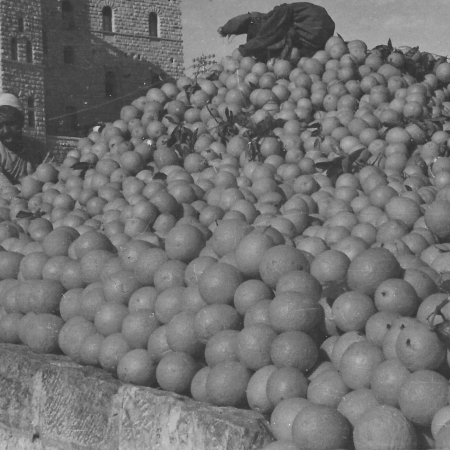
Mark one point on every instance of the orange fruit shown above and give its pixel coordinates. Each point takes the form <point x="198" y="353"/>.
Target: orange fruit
<point x="439" y="420"/>
<point x="214" y="318"/>
<point x="390" y="337"/>
<point x="284" y="383"/>
<point x="419" y="348"/>
<point x="437" y="218"/>
<point x="147" y="264"/>
<point x="168" y="304"/>
<point x="9" y="264"/>
<point x="384" y="427"/>
<point x="137" y="367"/>
<point x="92" y="240"/>
<point x="170" y="274"/>
<point x="112" y="349"/>
<point x="9" y="327"/>
<point x="92" y="264"/>
<point x="137" y="327"/>
<point x="181" y="336"/>
<point x="222" y="346"/>
<point x="175" y="372"/>
<point x="279" y="260"/>
<point x="119" y="287"/>
<point x="283" y="416"/>
<point x="396" y="295"/>
<point x="250" y="292"/>
<point x="109" y="318"/>
<point x="342" y="344"/>
<point x="58" y="241"/>
<point x="71" y="336"/>
<point x="299" y="281"/>
<point x="256" y="390"/>
<point x="70" y="304"/>
<point x="42" y="336"/>
<point x="25" y="323"/>
<point x="351" y="311"/>
<point x="198" y="385"/>
<point x="218" y="283"/>
<point x="228" y="234"/>
<point x="70" y="276"/>
<point x="290" y="311"/>
<point x="317" y="427"/>
<point x="90" y="349"/>
<point x="258" y="313"/>
<point x="371" y="267"/>
<point x="184" y="242"/>
<point x="45" y="296"/>
<point x="327" y="388"/>
<point x="378" y="324"/>
<point x="253" y="346"/>
<point x="191" y="300"/>
<point x="294" y="349"/>
<point x="249" y="252"/>
<point x="227" y="383"/>
<point x="355" y="403"/>
<point x="32" y="264"/>
<point x="358" y="362"/>
<point x="330" y="266"/>
<point x="91" y="302"/>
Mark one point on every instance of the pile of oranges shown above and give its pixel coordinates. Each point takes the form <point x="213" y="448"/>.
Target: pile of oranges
<point x="264" y="236"/>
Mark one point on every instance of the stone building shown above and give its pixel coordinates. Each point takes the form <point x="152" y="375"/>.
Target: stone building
<point x="74" y="63"/>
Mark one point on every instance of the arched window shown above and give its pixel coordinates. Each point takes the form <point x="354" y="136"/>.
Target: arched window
<point x="107" y="19"/>
<point x="68" y="21"/>
<point x="110" y="84"/>
<point x="14" y="53"/>
<point x="153" y="24"/>
<point x="31" y="120"/>
<point x="29" y="51"/>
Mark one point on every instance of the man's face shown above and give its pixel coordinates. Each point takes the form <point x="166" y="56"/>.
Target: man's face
<point x="10" y="132"/>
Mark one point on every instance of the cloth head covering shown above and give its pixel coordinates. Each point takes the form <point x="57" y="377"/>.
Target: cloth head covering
<point x="10" y="100"/>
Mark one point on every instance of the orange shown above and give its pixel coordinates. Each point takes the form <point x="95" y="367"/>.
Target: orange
<point x="256" y="390"/>
<point x="299" y="281"/>
<point x="443" y="436"/>
<point x="181" y="336"/>
<point x="119" y="287"/>
<point x="384" y="427"/>
<point x="130" y="252"/>
<point x="355" y="403"/>
<point x="317" y="427"/>
<point x="70" y="276"/>
<point x="147" y="264"/>
<point x="168" y="304"/>
<point x="71" y="336"/>
<point x="253" y="346"/>
<point x="92" y="240"/>
<point x="281" y="259"/>
<point x="419" y="348"/>
<point x="39" y="228"/>
<point x="218" y="283"/>
<point x="191" y="300"/>
<point x="58" y="241"/>
<point x="249" y="252"/>
<point x="439" y="420"/>
<point x="32" y="264"/>
<point x="9" y="264"/>
<point x="112" y="349"/>
<point x="437" y="218"/>
<point x="290" y="311"/>
<point x="368" y="269"/>
<point x="92" y="264"/>
<point x="45" y="296"/>
<point x="326" y="388"/>
<point x="250" y="292"/>
<point x="91" y="301"/>
<point x="228" y="234"/>
<point x="211" y="319"/>
<point x="403" y="209"/>
<point x="227" y="383"/>
<point x="351" y="311"/>
<point x="137" y="326"/>
<point x="386" y="381"/>
<point x="170" y="274"/>
<point x="184" y="242"/>
<point x="175" y="372"/>
<point x="283" y="416"/>
<point x="284" y="383"/>
<point x="9" y="327"/>
<point x="342" y="344"/>
<point x="70" y="304"/>
<point x="143" y="298"/>
<point x="390" y="337"/>
<point x="108" y="319"/>
<point x="294" y="349"/>
<point x="330" y="266"/>
<point x="198" y="385"/>
<point x="358" y="362"/>
<point x="24" y="324"/>
<point x="396" y="295"/>
<point x="378" y="324"/>
<point x="137" y="367"/>
<point x="42" y="336"/>
<point x="222" y="346"/>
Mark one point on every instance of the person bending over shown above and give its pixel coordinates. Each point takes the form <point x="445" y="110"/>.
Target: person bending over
<point x="289" y="31"/>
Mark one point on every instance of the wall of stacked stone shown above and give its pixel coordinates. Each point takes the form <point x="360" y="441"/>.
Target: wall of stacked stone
<point x="137" y="60"/>
<point x="21" y="20"/>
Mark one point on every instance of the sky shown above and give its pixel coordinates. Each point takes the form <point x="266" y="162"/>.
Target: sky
<point x="422" y="23"/>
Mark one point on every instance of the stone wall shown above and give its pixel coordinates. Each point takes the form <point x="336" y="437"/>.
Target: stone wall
<point x="21" y="20"/>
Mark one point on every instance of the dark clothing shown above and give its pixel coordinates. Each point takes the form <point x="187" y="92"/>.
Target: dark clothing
<point x="302" y="25"/>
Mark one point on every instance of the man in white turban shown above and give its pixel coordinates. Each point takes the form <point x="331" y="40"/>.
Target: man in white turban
<point x="19" y="155"/>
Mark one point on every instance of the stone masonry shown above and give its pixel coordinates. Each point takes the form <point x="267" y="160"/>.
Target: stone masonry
<point x="75" y="63"/>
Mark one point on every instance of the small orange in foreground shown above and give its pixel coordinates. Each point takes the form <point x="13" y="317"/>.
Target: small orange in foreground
<point x="42" y="336"/>
<point x="137" y="367"/>
<point x="175" y="372"/>
<point x="112" y="349"/>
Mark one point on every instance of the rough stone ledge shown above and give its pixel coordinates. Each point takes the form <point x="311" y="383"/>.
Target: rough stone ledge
<point x="48" y="402"/>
